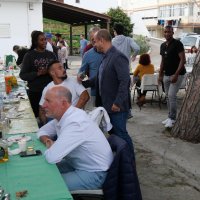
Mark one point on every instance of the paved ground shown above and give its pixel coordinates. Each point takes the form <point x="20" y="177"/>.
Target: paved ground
<point x="168" y="168"/>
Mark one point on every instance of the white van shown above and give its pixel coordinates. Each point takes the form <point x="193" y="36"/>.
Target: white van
<point x="189" y="41"/>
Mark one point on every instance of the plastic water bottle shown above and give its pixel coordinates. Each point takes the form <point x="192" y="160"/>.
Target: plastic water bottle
<point x="1" y="104"/>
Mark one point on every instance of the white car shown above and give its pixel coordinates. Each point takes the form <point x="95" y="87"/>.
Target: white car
<point x="189" y="41"/>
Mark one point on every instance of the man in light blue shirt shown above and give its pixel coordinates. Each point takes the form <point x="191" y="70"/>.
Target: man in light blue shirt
<point x="83" y="44"/>
<point x="78" y="151"/>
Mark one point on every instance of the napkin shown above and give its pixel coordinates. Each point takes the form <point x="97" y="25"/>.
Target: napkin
<point x="13" y="152"/>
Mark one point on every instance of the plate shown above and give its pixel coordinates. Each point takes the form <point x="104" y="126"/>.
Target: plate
<point x="16" y="138"/>
<point x="14" y="100"/>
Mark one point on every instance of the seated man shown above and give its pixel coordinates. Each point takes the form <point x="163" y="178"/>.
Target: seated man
<point x="81" y="151"/>
<point x="80" y="95"/>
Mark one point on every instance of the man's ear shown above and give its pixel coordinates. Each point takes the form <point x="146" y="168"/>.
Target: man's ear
<point x="51" y="73"/>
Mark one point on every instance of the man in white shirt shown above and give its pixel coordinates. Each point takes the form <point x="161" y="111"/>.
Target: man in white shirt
<point x="80" y="95"/>
<point x="49" y="42"/>
<point x="81" y="151"/>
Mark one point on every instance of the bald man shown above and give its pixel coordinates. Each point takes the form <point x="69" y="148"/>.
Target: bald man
<point x="78" y="151"/>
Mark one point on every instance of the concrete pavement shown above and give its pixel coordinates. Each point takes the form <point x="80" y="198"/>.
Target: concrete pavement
<point x="147" y="132"/>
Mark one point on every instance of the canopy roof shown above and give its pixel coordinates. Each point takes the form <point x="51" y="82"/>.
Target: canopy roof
<point x="72" y="15"/>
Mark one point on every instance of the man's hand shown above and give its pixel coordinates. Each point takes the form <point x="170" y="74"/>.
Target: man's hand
<point x="49" y="143"/>
<point x="174" y="78"/>
<point x="133" y="58"/>
<point x="79" y="78"/>
<point x="115" y="108"/>
<point x="160" y="79"/>
<point x="42" y="71"/>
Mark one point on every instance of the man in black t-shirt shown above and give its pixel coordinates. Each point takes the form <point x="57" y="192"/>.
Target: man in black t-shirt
<point x="172" y="72"/>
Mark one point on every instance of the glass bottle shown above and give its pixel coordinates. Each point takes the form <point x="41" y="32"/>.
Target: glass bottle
<point x="8" y="82"/>
<point x="3" y="150"/>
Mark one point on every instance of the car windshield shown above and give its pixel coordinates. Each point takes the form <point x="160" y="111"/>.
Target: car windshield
<point x="189" y="41"/>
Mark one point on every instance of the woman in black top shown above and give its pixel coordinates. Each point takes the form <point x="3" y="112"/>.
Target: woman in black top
<point x="34" y="69"/>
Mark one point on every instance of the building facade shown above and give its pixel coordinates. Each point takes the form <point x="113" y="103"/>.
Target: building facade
<point x="183" y="15"/>
<point x="18" y="18"/>
<point x="101" y="6"/>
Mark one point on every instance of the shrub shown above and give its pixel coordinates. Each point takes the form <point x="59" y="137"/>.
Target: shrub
<point x="142" y="41"/>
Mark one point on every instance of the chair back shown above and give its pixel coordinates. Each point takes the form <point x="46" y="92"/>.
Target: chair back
<point x="150" y="83"/>
<point x="9" y="59"/>
<point x="122" y="181"/>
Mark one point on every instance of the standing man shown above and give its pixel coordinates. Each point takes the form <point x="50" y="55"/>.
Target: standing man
<point x="83" y="44"/>
<point x="49" y="46"/>
<point x="125" y="45"/>
<point x="112" y="84"/>
<point x="173" y="70"/>
<point x="90" y="63"/>
<point x="20" y="51"/>
<point x="81" y="151"/>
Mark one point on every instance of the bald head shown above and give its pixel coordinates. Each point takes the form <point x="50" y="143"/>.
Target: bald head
<point x="57" y="101"/>
<point x="103" y="34"/>
<point x="102" y="40"/>
<point x="61" y="92"/>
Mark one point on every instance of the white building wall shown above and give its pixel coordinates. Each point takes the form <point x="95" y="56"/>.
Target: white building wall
<point x="22" y="20"/>
<point x="100" y="6"/>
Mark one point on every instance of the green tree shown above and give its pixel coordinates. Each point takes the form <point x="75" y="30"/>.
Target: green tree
<point x="118" y="16"/>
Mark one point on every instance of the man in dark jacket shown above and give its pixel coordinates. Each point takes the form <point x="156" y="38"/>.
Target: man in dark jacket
<point x="112" y="83"/>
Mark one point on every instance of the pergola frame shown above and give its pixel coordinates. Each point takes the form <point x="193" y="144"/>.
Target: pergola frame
<point x="73" y="16"/>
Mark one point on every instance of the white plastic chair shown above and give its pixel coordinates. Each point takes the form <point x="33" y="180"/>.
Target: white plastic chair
<point x="150" y="83"/>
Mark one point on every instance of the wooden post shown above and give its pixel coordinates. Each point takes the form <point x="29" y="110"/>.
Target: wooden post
<point x="86" y="35"/>
<point x="71" y="47"/>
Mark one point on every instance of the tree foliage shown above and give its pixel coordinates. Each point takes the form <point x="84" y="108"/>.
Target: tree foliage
<point x="142" y="41"/>
<point x="118" y="16"/>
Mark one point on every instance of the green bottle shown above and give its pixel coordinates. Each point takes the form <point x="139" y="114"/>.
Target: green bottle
<point x="3" y="150"/>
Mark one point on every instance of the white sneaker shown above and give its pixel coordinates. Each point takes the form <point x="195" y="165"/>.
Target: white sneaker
<point x="165" y="121"/>
<point x="170" y="123"/>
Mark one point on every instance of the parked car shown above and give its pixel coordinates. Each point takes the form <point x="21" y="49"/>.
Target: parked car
<point x="189" y="41"/>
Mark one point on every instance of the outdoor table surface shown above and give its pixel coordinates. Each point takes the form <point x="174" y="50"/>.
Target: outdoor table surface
<point x="41" y="180"/>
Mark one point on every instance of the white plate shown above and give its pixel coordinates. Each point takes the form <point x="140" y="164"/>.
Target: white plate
<point x="15" y="100"/>
<point x="16" y="138"/>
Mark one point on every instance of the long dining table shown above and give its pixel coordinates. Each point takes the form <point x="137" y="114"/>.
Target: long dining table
<point x="32" y="177"/>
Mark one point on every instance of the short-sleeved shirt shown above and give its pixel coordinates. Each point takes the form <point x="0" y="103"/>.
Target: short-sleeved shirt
<point x="170" y="57"/>
<point x="143" y="69"/>
<point x="72" y="84"/>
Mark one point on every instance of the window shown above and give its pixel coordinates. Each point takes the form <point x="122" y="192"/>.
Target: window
<point x="4" y="30"/>
<point x="77" y="1"/>
<point x="191" y="9"/>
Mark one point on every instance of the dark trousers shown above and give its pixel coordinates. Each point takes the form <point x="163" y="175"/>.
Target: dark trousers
<point x="118" y="120"/>
<point x="138" y="84"/>
<point x="34" y="98"/>
<point x="66" y="64"/>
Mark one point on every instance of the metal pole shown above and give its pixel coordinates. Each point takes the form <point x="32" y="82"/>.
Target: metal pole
<point x="71" y="47"/>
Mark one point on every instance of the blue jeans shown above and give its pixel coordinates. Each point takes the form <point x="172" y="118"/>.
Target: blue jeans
<point x="80" y="179"/>
<point x="118" y="120"/>
<point x="171" y="90"/>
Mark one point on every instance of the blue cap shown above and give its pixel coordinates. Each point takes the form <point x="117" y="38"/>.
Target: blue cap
<point x="48" y="35"/>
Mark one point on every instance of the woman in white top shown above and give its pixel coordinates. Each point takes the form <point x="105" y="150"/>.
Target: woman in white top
<point x="190" y="58"/>
<point x="63" y="54"/>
